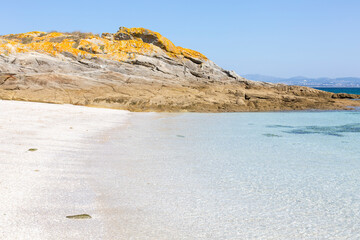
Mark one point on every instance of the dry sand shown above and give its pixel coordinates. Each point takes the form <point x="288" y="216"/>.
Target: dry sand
<point x="43" y="169"/>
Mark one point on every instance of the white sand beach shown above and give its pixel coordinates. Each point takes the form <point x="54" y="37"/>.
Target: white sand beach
<point x="177" y="176"/>
<point x="40" y="187"/>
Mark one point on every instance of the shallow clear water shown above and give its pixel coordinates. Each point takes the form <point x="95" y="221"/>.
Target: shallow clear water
<point x="288" y="175"/>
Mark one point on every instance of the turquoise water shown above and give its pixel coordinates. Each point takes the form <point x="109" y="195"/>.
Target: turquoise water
<point x="342" y="90"/>
<point x="288" y="175"/>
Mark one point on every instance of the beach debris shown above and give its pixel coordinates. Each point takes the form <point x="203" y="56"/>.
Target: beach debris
<point x="36" y="170"/>
<point x="32" y="149"/>
<point x="181" y="136"/>
<point x="80" y="216"/>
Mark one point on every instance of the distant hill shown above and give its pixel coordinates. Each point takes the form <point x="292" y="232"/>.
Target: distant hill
<point x="306" y="81"/>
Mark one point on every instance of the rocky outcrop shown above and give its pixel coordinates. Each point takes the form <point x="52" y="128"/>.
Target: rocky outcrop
<point x="139" y="70"/>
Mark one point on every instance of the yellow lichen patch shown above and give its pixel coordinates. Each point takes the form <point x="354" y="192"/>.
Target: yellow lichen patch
<point x="191" y="53"/>
<point x="69" y="46"/>
<point x="43" y="47"/>
<point x="23" y="37"/>
<point x="53" y="35"/>
<point x="126" y="49"/>
<point x="120" y="56"/>
<point x="48" y="36"/>
<point x="145" y="35"/>
<point x="90" y="47"/>
<point x="136" y="46"/>
<point x="55" y="48"/>
<point x="31" y="34"/>
<point x="12" y="47"/>
<point x="121" y="46"/>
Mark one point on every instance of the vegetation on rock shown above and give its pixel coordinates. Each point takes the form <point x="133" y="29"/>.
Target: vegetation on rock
<point x="119" y="46"/>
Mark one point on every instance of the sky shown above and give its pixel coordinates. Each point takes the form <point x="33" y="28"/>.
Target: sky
<point x="284" y="38"/>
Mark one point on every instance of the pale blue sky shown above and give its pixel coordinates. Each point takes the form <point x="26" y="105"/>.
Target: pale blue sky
<point x="280" y="38"/>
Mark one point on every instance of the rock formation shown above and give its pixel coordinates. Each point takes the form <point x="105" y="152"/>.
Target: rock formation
<point x="138" y="70"/>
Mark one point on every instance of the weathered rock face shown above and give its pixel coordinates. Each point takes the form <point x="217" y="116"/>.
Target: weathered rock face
<point x="139" y="70"/>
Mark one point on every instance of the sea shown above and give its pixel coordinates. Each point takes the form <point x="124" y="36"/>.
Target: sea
<point x="341" y="90"/>
<point x="273" y="175"/>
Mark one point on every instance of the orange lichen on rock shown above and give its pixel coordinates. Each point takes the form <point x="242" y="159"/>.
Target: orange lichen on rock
<point x="25" y="35"/>
<point x="191" y="53"/>
<point x="154" y="38"/>
<point x="147" y="36"/>
<point x="121" y="46"/>
<point x="11" y="47"/>
<point x="54" y="49"/>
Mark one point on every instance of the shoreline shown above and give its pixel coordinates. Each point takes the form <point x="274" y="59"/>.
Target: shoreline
<point x="135" y="175"/>
<point x="341" y="105"/>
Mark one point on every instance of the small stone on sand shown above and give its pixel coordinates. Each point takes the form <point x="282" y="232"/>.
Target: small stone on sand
<point x="81" y="216"/>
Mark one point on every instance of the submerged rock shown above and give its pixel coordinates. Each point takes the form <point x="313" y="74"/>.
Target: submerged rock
<point x="271" y="135"/>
